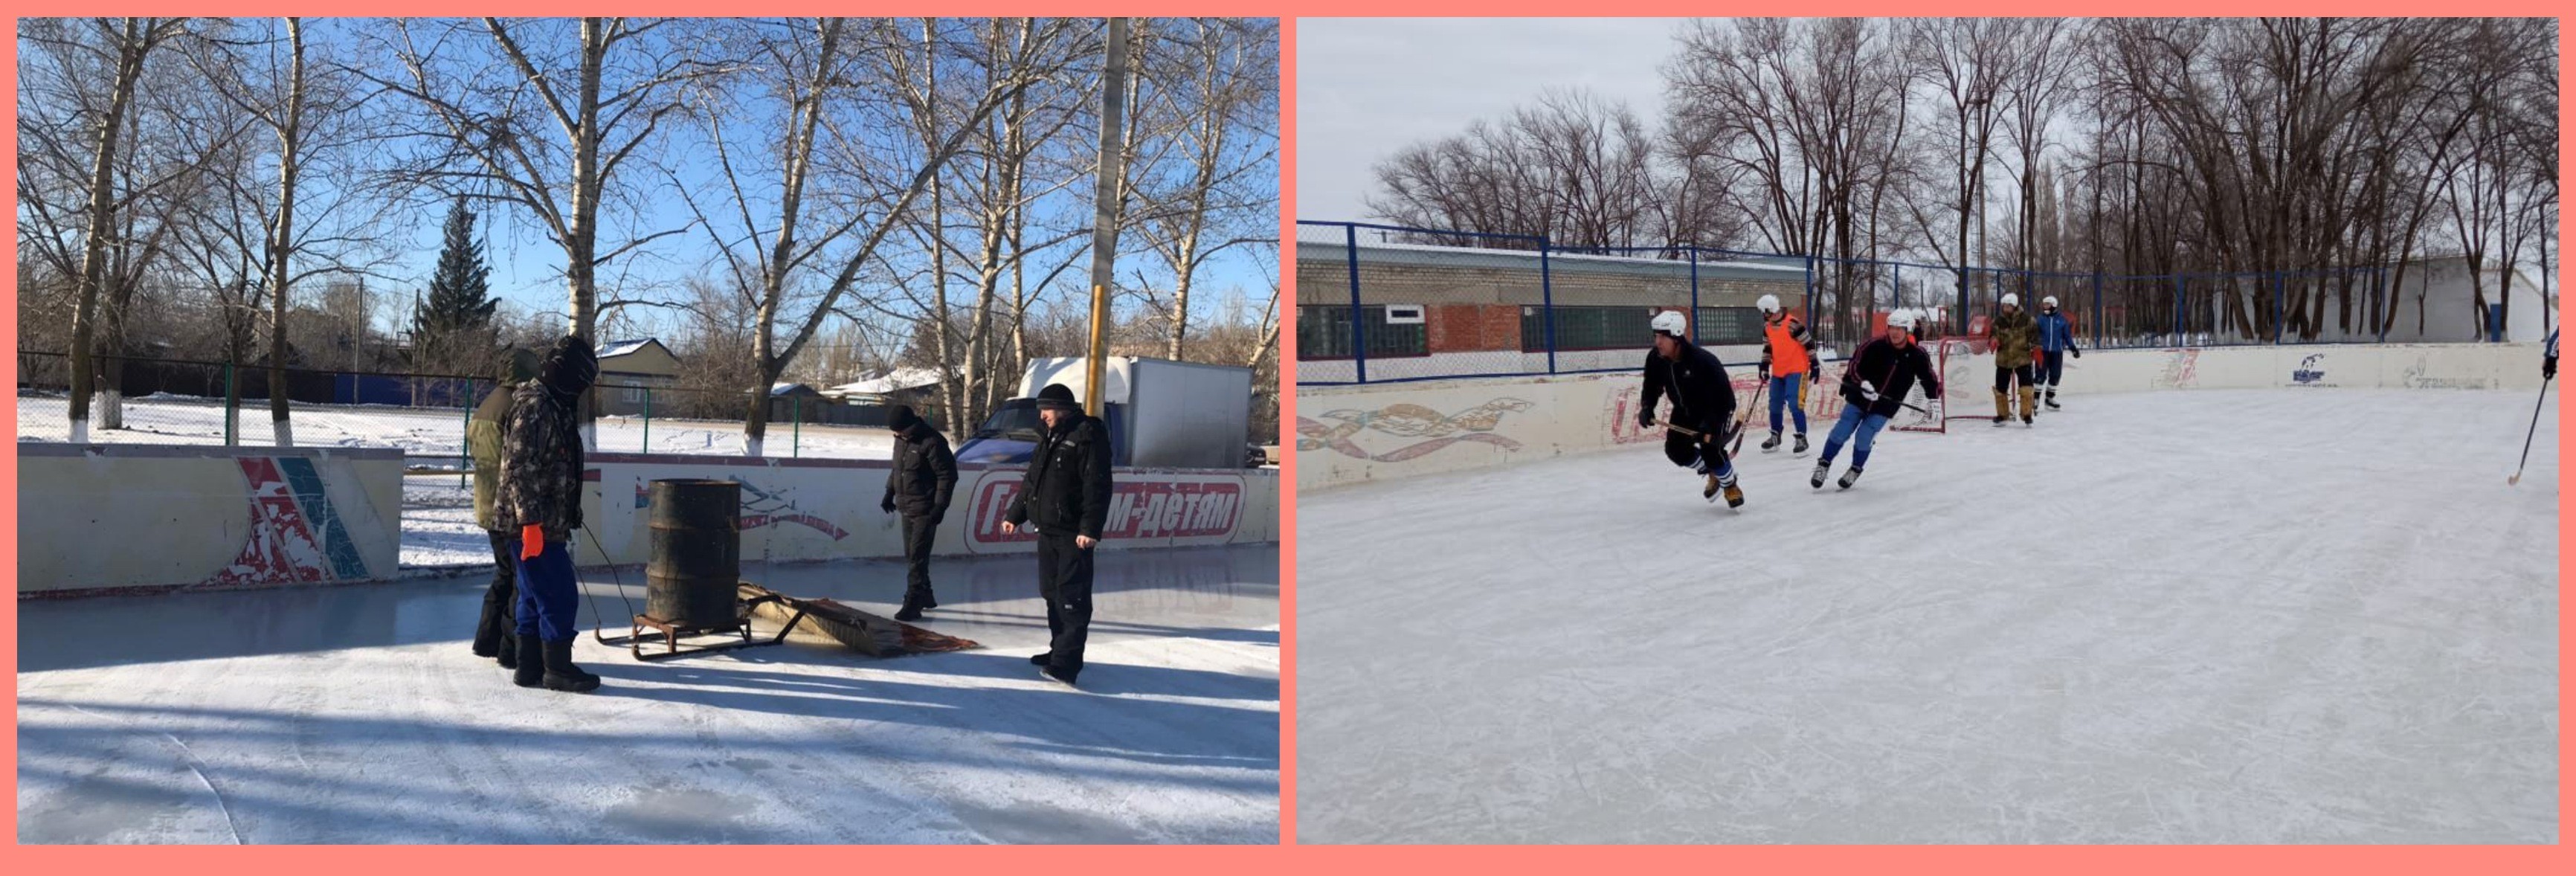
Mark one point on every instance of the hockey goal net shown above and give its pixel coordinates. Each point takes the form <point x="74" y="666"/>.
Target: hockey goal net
<point x="1967" y="368"/>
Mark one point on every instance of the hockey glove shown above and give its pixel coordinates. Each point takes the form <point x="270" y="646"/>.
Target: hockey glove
<point x="1646" y="417"/>
<point x="532" y="541"/>
<point x="2549" y="368"/>
<point x="2079" y="353"/>
<point x="888" y="505"/>
<point x="1869" y="392"/>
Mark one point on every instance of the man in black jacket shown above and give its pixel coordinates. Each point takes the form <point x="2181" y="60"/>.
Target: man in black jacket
<point x="1874" y="388"/>
<point x="1065" y="499"/>
<point x="924" y="475"/>
<point x="1703" y="406"/>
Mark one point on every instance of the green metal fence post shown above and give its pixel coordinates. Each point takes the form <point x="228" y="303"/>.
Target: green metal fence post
<point x="796" y="440"/>
<point x="465" y="459"/>
<point x="232" y="409"/>
<point x="648" y="420"/>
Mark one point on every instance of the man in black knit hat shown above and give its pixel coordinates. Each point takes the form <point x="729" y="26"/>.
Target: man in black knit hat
<point x="924" y="476"/>
<point x="1065" y="499"/>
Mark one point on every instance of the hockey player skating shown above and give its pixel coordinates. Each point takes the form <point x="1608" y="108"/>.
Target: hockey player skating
<point x="1874" y="387"/>
<point x="2056" y="340"/>
<point x="2013" y="335"/>
<point x="1788" y="358"/>
<point x="1703" y="404"/>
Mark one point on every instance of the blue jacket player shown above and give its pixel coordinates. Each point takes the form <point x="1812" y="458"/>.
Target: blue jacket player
<point x="2056" y="339"/>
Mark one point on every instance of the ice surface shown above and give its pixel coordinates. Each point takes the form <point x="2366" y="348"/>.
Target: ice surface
<point x="357" y="715"/>
<point x="2186" y="617"/>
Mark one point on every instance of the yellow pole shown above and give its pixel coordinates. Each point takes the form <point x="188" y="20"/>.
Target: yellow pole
<point x="1099" y="352"/>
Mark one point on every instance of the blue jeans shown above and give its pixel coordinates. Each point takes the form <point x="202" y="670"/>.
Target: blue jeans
<point x="1853" y="419"/>
<point x="1784" y="390"/>
<point x="546" y="595"/>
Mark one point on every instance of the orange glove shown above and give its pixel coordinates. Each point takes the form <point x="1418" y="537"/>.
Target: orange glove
<point x="532" y="541"/>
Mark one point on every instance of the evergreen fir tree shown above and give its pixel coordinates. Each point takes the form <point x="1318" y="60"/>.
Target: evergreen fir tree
<point x="459" y="293"/>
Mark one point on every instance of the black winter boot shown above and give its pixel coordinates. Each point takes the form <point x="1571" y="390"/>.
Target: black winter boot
<point x="530" y="670"/>
<point x="911" y="610"/>
<point x="509" y="651"/>
<point x="561" y="674"/>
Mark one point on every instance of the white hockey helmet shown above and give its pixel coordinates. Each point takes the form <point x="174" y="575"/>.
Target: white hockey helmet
<point x="1767" y="304"/>
<point x="1903" y="318"/>
<point x="1671" y="322"/>
<point x="2048" y="303"/>
<point x="2011" y="300"/>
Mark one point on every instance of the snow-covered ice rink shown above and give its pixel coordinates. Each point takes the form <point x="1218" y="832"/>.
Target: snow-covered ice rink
<point x="433" y="437"/>
<point x="2263" y="616"/>
<point x="357" y="715"/>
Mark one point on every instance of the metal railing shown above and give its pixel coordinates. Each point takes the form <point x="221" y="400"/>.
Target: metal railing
<point x="1383" y="303"/>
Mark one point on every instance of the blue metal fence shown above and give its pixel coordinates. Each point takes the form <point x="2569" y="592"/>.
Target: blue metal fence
<point x="1383" y="303"/>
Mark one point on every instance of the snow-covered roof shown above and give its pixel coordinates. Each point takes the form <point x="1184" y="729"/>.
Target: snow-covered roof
<point x="621" y="348"/>
<point x="777" y="389"/>
<point x="899" y="380"/>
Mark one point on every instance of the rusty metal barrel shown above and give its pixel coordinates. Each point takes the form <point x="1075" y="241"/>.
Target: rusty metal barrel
<point x="697" y="552"/>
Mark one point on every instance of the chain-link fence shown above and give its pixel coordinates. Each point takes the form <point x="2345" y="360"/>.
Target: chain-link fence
<point x="1379" y="303"/>
<point x="153" y="401"/>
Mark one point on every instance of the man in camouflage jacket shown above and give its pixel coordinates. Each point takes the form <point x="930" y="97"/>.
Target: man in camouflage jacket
<point x="540" y="499"/>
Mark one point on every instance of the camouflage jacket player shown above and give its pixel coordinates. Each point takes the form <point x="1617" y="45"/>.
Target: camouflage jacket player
<point x="2015" y="334"/>
<point x="541" y="466"/>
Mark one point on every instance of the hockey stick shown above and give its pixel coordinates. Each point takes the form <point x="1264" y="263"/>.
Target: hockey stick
<point x="1736" y="447"/>
<point x="2526" y="435"/>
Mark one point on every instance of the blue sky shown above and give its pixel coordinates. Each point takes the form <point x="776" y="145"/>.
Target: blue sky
<point x="527" y="268"/>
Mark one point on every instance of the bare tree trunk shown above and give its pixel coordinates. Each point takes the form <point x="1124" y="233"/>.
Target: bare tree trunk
<point x="1107" y="213"/>
<point x="282" y="236"/>
<point x="138" y="39"/>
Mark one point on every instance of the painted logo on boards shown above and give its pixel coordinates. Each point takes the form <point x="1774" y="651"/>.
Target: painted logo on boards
<point x="1335" y="429"/>
<point x="2418" y="376"/>
<point x="295" y="534"/>
<point x="761" y="508"/>
<point x="2308" y="374"/>
<point x="2181" y="371"/>
<point x="1150" y="509"/>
